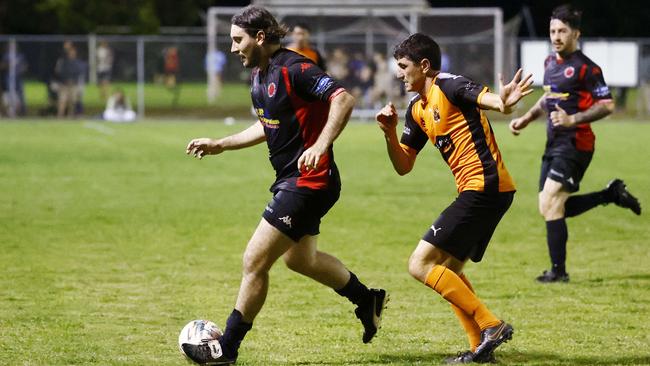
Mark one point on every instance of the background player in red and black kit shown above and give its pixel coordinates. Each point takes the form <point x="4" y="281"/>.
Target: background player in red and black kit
<point x="301" y="111"/>
<point x="575" y="95"/>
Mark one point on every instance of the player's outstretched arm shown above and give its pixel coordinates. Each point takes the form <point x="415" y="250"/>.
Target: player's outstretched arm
<point x="518" y="124"/>
<point x="200" y="147"/>
<point x="340" y="110"/>
<point x="402" y="160"/>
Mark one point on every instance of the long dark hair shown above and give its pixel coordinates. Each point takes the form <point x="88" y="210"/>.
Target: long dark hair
<point x="254" y="19"/>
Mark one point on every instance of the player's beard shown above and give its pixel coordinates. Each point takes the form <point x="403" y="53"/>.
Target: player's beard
<point x="253" y="60"/>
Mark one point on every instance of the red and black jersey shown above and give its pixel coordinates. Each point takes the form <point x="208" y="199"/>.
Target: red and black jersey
<point x="575" y="83"/>
<point x="291" y="99"/>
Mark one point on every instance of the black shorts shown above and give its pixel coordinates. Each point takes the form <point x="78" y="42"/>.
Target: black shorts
<point x="566" y="169"/>
<point x="297" y="214"/>
<point x="465" y="228"/>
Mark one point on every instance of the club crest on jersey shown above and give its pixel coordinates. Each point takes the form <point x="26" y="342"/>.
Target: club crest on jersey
<point x="569" y="72"/>
<point x="272" y="88"/>
<point x="436" y="114"/>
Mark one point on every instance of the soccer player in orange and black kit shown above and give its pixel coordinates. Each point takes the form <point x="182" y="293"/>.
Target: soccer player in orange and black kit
<point x="448" y="112"/>
<point x="301" y="111"/>
<point x="575" y="95"/>
<point x="300" y="43"/>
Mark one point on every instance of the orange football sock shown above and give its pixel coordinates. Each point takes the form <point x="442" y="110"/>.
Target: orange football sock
<point x="471" y="327"/>
<point x="452" y="288"/>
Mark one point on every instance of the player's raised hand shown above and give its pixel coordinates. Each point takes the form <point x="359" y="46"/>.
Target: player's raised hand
<point x="387" y="117"/>
<point x="203" y="146"/>
<point x="516" y="89"/>
<point x="559" y="117"/>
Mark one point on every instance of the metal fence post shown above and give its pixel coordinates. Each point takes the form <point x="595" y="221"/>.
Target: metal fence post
<point x="141" y="78"/>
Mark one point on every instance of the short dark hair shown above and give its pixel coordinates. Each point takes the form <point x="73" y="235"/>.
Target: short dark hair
<point x="254" y="19"/>
<point x="417" y="47"/>
<point x="567" y="14"/>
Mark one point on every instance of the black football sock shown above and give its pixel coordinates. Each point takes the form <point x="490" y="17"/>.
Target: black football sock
<point x="235" y="332"/>
<point x="577" y="205"/>
<point x="556" y="238"/>
<point x="354" y="290"/>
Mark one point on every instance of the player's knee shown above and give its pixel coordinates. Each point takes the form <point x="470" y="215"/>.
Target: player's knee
<point x="297" y="264"/>
<point x="253" y="264"/>
<point x="417" y="268"/>
<point x="551" y="207"/>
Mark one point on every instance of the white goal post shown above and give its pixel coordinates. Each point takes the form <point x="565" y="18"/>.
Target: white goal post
<point x="457" y="29"/>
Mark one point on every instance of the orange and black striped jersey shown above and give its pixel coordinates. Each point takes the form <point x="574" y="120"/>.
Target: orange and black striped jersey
<point x="451" y="118"/>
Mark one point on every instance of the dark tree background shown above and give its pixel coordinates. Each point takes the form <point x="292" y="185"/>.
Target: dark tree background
<point x="602" y="18"/>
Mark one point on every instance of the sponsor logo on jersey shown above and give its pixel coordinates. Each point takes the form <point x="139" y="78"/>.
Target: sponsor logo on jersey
<point x="286" y="220"/>
<point x="569" y="72"/>
<point x="272" y="88"/>
<point x="407" y="131"/>
<point x="304" y="66"/>
<point x="322" y="85"/>
<point x="601" y="91"/>
<point x="435" y="230"/>
<point x="267" y="122"/>
<point x="550" y="94"/>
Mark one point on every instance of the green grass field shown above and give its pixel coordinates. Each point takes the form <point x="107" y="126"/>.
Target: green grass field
<point x="111" y="239"/>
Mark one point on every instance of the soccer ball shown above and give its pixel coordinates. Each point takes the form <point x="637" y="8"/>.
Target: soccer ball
<point x="199" y="332"/>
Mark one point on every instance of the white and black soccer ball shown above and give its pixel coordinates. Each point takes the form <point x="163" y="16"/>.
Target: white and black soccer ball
<point x="199" y="332"/>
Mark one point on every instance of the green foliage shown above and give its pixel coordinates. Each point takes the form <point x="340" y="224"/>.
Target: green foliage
<point x="86" y="16"/>
<point x="111" y="239"/>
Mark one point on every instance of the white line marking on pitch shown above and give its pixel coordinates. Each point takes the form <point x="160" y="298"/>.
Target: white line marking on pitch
<point x="99" y="128"/>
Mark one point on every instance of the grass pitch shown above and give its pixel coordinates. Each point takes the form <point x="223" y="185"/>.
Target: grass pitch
<point x="111" y="239"/>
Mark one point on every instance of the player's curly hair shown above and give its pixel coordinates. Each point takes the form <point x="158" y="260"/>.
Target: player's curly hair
<point x="417" y="47"/>
<point x="254" y="19"/>
<point x="567" y="14"/>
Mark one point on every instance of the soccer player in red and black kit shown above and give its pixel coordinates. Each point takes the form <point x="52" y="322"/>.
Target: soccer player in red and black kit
<point x="301" y="111"/>
<point x="575" y="95"/>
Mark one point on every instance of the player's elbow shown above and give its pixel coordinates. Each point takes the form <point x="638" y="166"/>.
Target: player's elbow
<point x="403" y="168"/>
<point x="403" y="171"/>
<point x="610" y="106"/>
<point x="345" y="101"/>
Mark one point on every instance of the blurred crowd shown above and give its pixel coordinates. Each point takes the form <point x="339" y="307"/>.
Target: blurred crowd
<point x="371" y="78"/>
<point x="65" y="82"/>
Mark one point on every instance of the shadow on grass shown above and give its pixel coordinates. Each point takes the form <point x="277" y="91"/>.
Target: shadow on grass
<point x="388" y="358"/>
<point x="543" y="358"/>
<point x="627" y="277"/>
<point x="505" y="358"/>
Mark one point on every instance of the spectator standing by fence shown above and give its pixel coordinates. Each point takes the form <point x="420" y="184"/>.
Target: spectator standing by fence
<point x="104" y="68"/>
<point x="69" y="71"/>
<point x="12" y="67"/>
